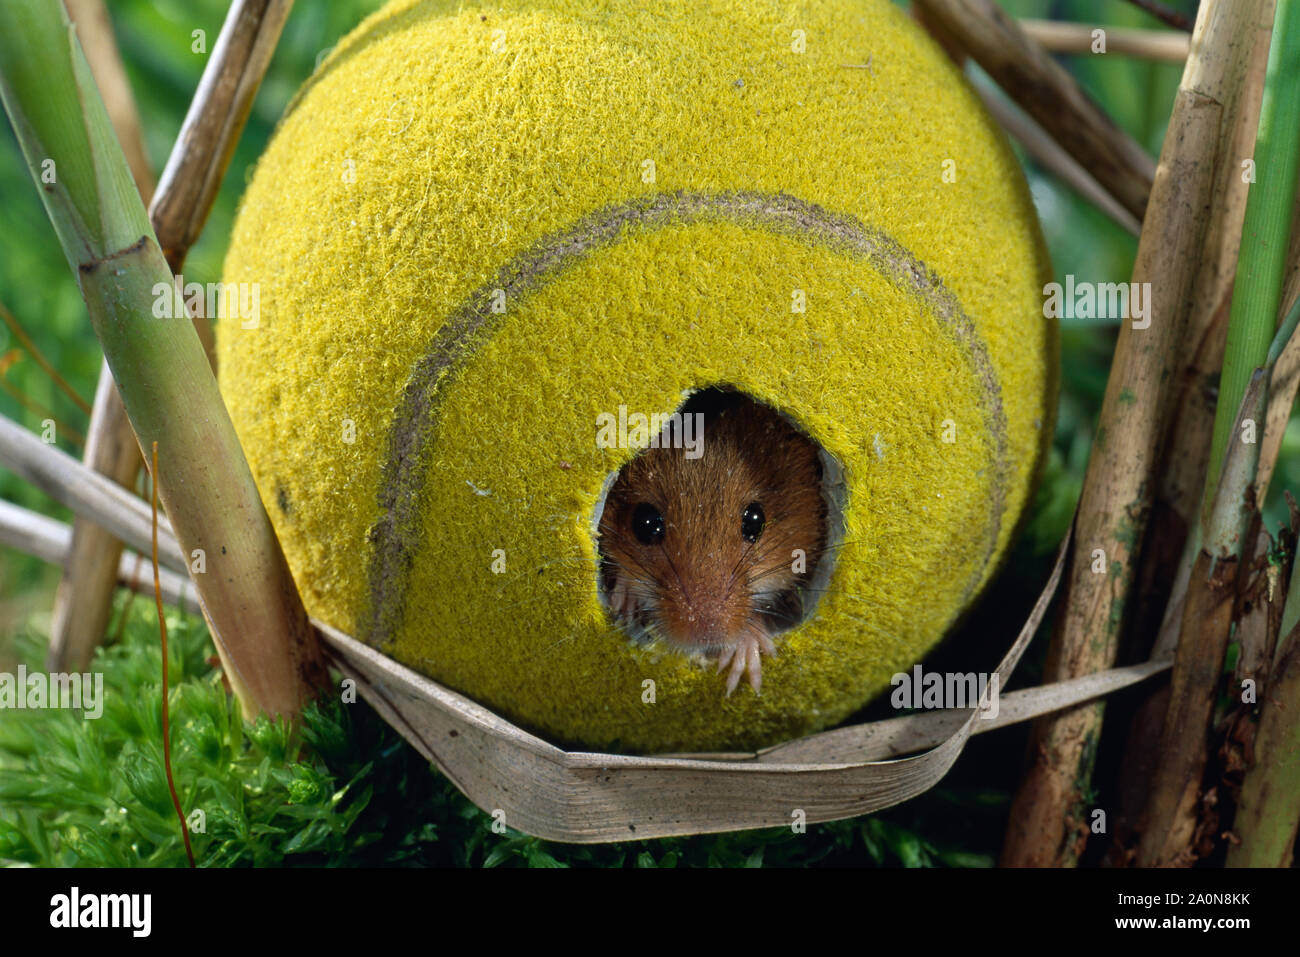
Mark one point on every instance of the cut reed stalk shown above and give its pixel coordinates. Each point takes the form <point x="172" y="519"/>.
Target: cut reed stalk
<point x="1048" y="814"/>
<point x="1229" y="500"/>
<point x="198" y="162"/>
<point x="83" y="601"/>
<point x="1170" y="823"/>
<point x="1182" y="476"/>
<point x="190" y="180"/>
<point x="252" y="607"/>
<point x="1238" y="83"/>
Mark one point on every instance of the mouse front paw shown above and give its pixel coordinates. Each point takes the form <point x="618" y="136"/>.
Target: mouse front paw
<point x="744" y="655"/>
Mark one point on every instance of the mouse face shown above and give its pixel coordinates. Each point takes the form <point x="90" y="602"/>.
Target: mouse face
<point x="712" y="554"/>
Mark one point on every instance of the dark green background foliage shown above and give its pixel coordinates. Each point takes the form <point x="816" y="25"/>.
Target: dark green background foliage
<point x="92" y="792"/>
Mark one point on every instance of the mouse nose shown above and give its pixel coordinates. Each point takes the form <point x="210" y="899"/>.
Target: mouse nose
<point x="707" y="614"/>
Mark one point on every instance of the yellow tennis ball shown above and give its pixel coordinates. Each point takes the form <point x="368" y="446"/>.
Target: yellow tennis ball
<point x="482" y="227"/>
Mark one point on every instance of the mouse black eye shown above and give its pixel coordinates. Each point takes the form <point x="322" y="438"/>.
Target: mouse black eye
<point x="648" y="524"/>
<point x="751" y="522"/>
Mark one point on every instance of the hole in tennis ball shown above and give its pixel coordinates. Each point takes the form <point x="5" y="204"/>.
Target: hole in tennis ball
<point x="725" y="525"/>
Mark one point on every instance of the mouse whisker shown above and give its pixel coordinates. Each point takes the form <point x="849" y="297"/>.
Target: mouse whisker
<point x="781" y="569"/>
<point x="676" y="574"/>
<point x="731" y="582"/>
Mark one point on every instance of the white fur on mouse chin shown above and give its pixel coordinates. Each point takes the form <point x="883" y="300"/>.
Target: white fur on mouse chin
<point x="743" y="651"/>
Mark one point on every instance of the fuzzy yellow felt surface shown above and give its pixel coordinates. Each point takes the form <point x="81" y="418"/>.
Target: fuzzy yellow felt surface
<point x="481" y="226"/>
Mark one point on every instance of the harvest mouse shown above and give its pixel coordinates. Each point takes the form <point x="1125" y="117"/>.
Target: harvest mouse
<point x="712" y="553"/>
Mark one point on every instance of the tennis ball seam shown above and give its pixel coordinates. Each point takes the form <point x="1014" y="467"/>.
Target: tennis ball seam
<point x="394" y="536"/>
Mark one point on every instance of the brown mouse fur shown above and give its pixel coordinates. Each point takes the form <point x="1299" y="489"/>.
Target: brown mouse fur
<point x="698" y="583"/>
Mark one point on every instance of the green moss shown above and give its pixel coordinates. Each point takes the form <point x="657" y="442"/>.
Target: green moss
<point x="76" y="792"/>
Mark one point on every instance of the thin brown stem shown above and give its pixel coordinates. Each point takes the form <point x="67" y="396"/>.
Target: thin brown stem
<point x="1047" y="152"/>
<point x="1048" y="93"/>
<point x="1080" y="38"/>
<point x="26" y="341"/>
<point x="162" y="632"/>
<point x="40" y="411"/>
<point x="1164" y="13"/>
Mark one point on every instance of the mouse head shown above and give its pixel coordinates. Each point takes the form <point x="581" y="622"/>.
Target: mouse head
<point x="700" y="549"/>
